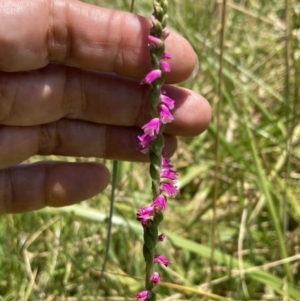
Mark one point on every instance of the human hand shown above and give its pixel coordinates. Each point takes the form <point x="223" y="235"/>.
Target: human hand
<point x="69" y="85"/>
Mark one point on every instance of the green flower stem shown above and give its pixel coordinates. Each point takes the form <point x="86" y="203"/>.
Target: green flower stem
<point x="150" y="241"/>
<point x="151" y="230"/>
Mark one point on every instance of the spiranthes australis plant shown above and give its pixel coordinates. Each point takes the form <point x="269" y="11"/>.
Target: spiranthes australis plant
<point x="151" y="142"/>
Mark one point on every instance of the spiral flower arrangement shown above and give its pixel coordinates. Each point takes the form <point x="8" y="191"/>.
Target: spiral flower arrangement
<point x="151" y="142"/>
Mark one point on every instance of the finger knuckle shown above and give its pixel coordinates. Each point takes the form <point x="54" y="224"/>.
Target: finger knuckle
<point x="7" y="98"/>
<point x="75" y="100"/>
<point x="49" y="139"/>
<point x="59" y="38"/>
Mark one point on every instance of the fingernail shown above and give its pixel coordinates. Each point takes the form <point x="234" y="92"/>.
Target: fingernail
<point x="196" y="69"/>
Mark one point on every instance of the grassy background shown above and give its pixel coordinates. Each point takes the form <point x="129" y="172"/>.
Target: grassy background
<point x="233" y="232"/>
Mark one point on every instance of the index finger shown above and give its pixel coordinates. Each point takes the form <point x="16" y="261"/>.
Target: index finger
<point x="34" y="33"/>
